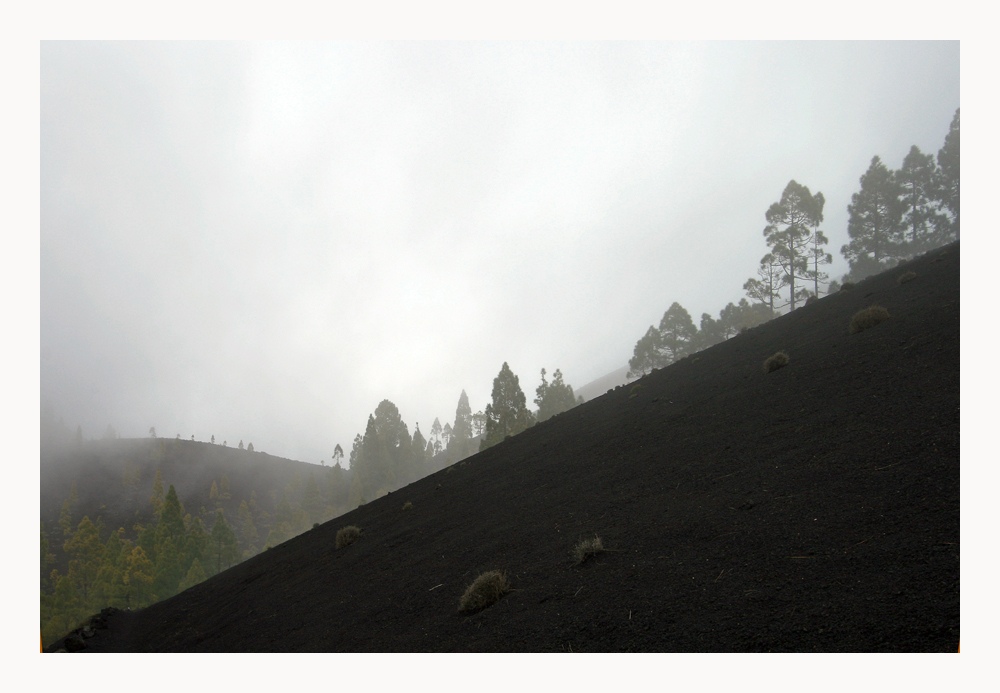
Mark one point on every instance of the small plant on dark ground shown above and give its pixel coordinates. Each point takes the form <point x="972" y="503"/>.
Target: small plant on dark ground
<point x="407" y="505"/>
<point x="585" y="548"/>
<point x="484" y="591"/>
<point x="812" y="299"/>
<point x="775" y="362"/>
<point x="906" y="277"/>
<point x="847" y="286"/>
<point x="635" y="390"/>
<point x="347" y="535"/>
<point x="869" y="317"/>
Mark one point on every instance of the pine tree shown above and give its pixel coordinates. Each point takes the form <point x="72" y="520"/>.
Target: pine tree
<point x="817" y="257"/>
<point x="224" y="547"/>
<point x="213" y="493"/>
<point x="646" y="355"/>
<point x="875" y="223"/>
<point x="734" y="318"/>
<point x="710" y="334"/>
<point x="436" y="431"/>
<point x="948" y="182"/>
<point x="86" y="551"/>
<point x="139" y="578"/>
<point x="787" y="233"/>
<point x="554" y="398"/>
<point x="171" y="522"/>
<point x="677" y="331"/>
<point x="195" y="575"/>
<point x="156" y="500"/>
<point x="918" y="179"/>
<point x="461" y="432"/>
<point x="47" y="558"/>
<point x="169" y="571"/>
<point x="507" y="414"/>
<point x="338" y="455"/>
<point x="312" y="503"/>
<point x="224" y="488"/>
<point x="195" y="543"/>
<point x="247" y="529"/>
<point x="767" y="287"/>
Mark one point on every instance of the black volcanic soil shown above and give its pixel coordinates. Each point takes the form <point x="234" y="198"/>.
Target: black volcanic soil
<point x="815" y="508"/>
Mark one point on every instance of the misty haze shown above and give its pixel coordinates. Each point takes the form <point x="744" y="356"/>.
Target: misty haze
<point x="288" y="286"/>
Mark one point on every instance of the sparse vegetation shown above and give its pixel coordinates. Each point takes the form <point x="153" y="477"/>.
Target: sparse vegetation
<point x="635" y="390"/>
<point x="407" y="505"/>
<point x="773" y="363"/>
<point x="347" y="536"/>
<point x="906" y="277"/>
<point x="869" y="317"/>
<point x="812" y="299"/>
<point x="585" y="548"/>
<point x="484" y="591"/>
<point x="847" y="286"/>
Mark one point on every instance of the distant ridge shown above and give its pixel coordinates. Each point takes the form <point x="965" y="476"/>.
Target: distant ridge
<point x="596" y="388"/>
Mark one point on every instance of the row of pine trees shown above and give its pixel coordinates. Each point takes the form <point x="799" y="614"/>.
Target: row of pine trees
<point x="895" y="216"/>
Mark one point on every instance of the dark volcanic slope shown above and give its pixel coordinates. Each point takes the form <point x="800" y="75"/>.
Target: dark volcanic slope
<point x="812" y="508"/>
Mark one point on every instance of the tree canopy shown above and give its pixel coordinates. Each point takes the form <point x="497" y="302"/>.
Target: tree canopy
<point x="507" y="414"/>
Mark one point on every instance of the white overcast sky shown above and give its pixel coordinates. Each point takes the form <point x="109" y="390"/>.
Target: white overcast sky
<point x="262" y="241"/>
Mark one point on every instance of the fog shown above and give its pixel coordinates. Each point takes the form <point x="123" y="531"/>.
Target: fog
<point x="262" y="241"/>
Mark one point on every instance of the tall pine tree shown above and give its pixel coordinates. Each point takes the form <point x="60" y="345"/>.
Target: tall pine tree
<point x="875" y="223"/>
<point x="508" y="413"/>
<point x="788" y="234"/>
<point x="948" y="183"/>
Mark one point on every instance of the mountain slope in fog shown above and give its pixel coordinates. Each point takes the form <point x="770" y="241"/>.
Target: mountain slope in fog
<point x="812" y="508"/>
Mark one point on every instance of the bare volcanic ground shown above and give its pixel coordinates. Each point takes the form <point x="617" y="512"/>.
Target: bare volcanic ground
<point x="813" y="508"/>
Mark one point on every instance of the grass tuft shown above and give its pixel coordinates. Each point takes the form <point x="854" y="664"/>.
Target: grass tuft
<point x="869" y="317"/>
<point x="847" y="286"/>
<point x="775" y="362"/>
<point x="586" y="548"/>
<point x="407" y="505"/>
<point x="347" y="535"/>
<point x="906" y="277"/>
<point x="484" y="591"/>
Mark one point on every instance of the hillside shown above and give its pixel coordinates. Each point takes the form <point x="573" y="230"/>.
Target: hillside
<point x="596" y="388"/>
<point x="813" y="508"/>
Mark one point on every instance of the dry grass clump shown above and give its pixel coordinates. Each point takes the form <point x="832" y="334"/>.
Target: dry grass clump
<point x="585" y="548"/>
<point x="906" y="277"/>
<point x="869" y="317"/>
<point x="484" y="591"/>
<point x="347" y="535"/>
<point x="407" y="505"/>
<point x="775" y="362"/>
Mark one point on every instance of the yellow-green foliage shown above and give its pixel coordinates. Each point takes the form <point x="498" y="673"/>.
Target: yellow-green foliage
<point x="775" y="362"/>
<point x="407" y="505"/>
<point x="869" y="317"/>
<point x="484" y="591"/>
<point x="586" y="548"/>
<point x="347" y="535"/>
<point x="906" y="277"/>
